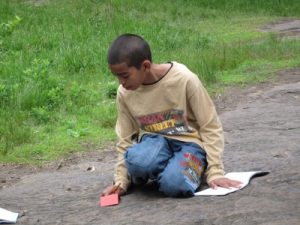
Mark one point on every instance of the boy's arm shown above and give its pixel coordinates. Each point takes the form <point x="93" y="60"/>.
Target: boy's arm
<point x="126" y="129"/>
<point x="121" y="174"/>
<point x="211" y="134"/>
<point x="210" y="129"/>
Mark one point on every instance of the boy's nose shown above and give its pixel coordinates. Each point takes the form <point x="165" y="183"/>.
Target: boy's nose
<point x="121" y="81"/>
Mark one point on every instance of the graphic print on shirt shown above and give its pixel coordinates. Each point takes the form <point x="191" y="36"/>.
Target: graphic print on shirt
<point x="193" y="169"/>
<point x="170" y="122"/>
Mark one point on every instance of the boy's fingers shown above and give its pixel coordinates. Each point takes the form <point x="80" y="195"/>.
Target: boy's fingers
<point x="107" y="191"/>
<point x="225" y="183"/>
<point x="120" y="191"/>
<point x="112" y="189"/>
<point x="213" y="185"/>
<point x="236" y="183"/>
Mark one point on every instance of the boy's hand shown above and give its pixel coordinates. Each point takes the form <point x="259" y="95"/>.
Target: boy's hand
<point x="112" y="189"/>
<point x="225" y="183"/>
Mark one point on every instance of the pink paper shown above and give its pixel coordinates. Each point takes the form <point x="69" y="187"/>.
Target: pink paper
<point x="109" y="200"/>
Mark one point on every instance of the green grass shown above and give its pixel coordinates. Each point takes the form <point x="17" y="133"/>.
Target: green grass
<point x="56" y="92"/>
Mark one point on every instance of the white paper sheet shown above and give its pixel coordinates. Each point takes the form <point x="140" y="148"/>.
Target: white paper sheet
<point x="244" y="177"/>
<point x="8" y="216"/>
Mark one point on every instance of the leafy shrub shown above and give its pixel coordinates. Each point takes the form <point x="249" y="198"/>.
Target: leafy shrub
<point x="42" y="90"/>
<point x="8" y="28"/>
<point x="111" y="89"/>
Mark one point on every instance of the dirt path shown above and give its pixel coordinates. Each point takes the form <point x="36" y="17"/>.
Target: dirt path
<point x="262" y="130"/>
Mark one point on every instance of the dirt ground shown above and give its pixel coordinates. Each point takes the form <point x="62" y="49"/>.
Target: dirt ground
<point x="262" y="132"/>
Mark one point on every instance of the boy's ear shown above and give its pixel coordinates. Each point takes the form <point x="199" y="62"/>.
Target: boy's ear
<point x="146" y="64"/>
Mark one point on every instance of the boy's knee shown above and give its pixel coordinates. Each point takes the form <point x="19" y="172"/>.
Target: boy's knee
<point x="147" y="158"/>
<point x="175" y="185"/>
<point x="136" y="165"/>
<point x="181" y="177"/>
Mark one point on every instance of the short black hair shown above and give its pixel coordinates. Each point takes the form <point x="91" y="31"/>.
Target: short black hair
<point x="129" y="48"/>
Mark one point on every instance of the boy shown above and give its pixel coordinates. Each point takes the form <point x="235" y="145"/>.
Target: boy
<point x="167" y="126"/>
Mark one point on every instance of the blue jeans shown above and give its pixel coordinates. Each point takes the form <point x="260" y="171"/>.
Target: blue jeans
<point x="176" y="166"/>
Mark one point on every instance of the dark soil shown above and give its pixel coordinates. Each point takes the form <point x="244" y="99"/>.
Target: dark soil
<point x="285" y="28"/>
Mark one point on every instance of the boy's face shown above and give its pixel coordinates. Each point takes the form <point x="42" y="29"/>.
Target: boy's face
<point x="129" y="77"/>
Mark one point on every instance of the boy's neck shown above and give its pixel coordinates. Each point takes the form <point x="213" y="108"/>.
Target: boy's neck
<point x="156" y="72"/>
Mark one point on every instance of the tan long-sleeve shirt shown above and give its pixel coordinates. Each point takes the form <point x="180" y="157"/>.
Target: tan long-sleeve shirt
<point x="177" y="106"/>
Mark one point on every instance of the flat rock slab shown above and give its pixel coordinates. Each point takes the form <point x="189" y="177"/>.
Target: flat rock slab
<point x="262" y="133"/>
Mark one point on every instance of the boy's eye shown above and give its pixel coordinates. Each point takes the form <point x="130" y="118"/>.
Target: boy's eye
<point x="122" y="75"/>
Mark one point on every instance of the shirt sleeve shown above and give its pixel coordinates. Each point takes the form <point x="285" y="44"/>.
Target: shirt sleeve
<point x="210" y="128"/>
<point x="126" y="130"/>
